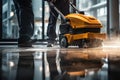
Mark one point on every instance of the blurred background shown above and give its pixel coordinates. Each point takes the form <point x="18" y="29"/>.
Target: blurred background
<point x="107" y="11"/>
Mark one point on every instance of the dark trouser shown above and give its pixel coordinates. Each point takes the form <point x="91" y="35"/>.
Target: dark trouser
<point x="25" y="19"/>
<point x="25" y="68"/>
<point x="63" y="6"/>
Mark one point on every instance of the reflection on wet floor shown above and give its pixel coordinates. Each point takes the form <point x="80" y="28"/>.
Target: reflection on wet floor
<point x="59" y="64"/>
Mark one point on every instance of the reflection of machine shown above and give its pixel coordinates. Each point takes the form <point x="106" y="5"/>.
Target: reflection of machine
<point x="79" y="66"/>
<point x="67" y="65"/>
<point x="79" y="29"/>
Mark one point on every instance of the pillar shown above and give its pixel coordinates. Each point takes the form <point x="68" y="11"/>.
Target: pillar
<point x="114" y="17"/>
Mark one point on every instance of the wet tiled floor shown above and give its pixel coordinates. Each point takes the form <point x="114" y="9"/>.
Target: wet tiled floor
<point x="42" y="63"/>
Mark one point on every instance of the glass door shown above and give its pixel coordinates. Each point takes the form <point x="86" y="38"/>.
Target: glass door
<point x="10" y="29"/>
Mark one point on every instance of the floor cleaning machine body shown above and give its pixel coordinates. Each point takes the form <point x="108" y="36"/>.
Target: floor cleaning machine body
<point x="80" y="30"/>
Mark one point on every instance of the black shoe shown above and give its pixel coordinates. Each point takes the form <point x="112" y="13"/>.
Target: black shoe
<point x="51" y="42"/>
<point x="50" y="45"/>
<point x="26" y="43"/>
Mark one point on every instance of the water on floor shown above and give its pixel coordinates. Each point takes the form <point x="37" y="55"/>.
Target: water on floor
<point x="59" y="64"/>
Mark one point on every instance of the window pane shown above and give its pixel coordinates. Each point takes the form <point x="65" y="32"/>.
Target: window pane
<point x="96" y="8"/>
<point x="37" y="9"/>
<point x="9" y="23"/>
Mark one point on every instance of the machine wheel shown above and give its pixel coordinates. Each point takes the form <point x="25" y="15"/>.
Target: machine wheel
<point x="63" y="42"/>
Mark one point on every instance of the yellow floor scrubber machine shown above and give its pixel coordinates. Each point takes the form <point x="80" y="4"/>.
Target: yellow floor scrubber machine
<point x="80" y="30"/>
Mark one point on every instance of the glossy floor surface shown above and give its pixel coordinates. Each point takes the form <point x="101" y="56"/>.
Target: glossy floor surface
<point x="73" y="63"/>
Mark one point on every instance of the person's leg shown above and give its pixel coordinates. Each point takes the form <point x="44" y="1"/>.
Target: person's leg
<point x="53" y="18"/>
<point x="25" y="20"/>
<point x="64" y="9"/>
<point x="51" y="30"/>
